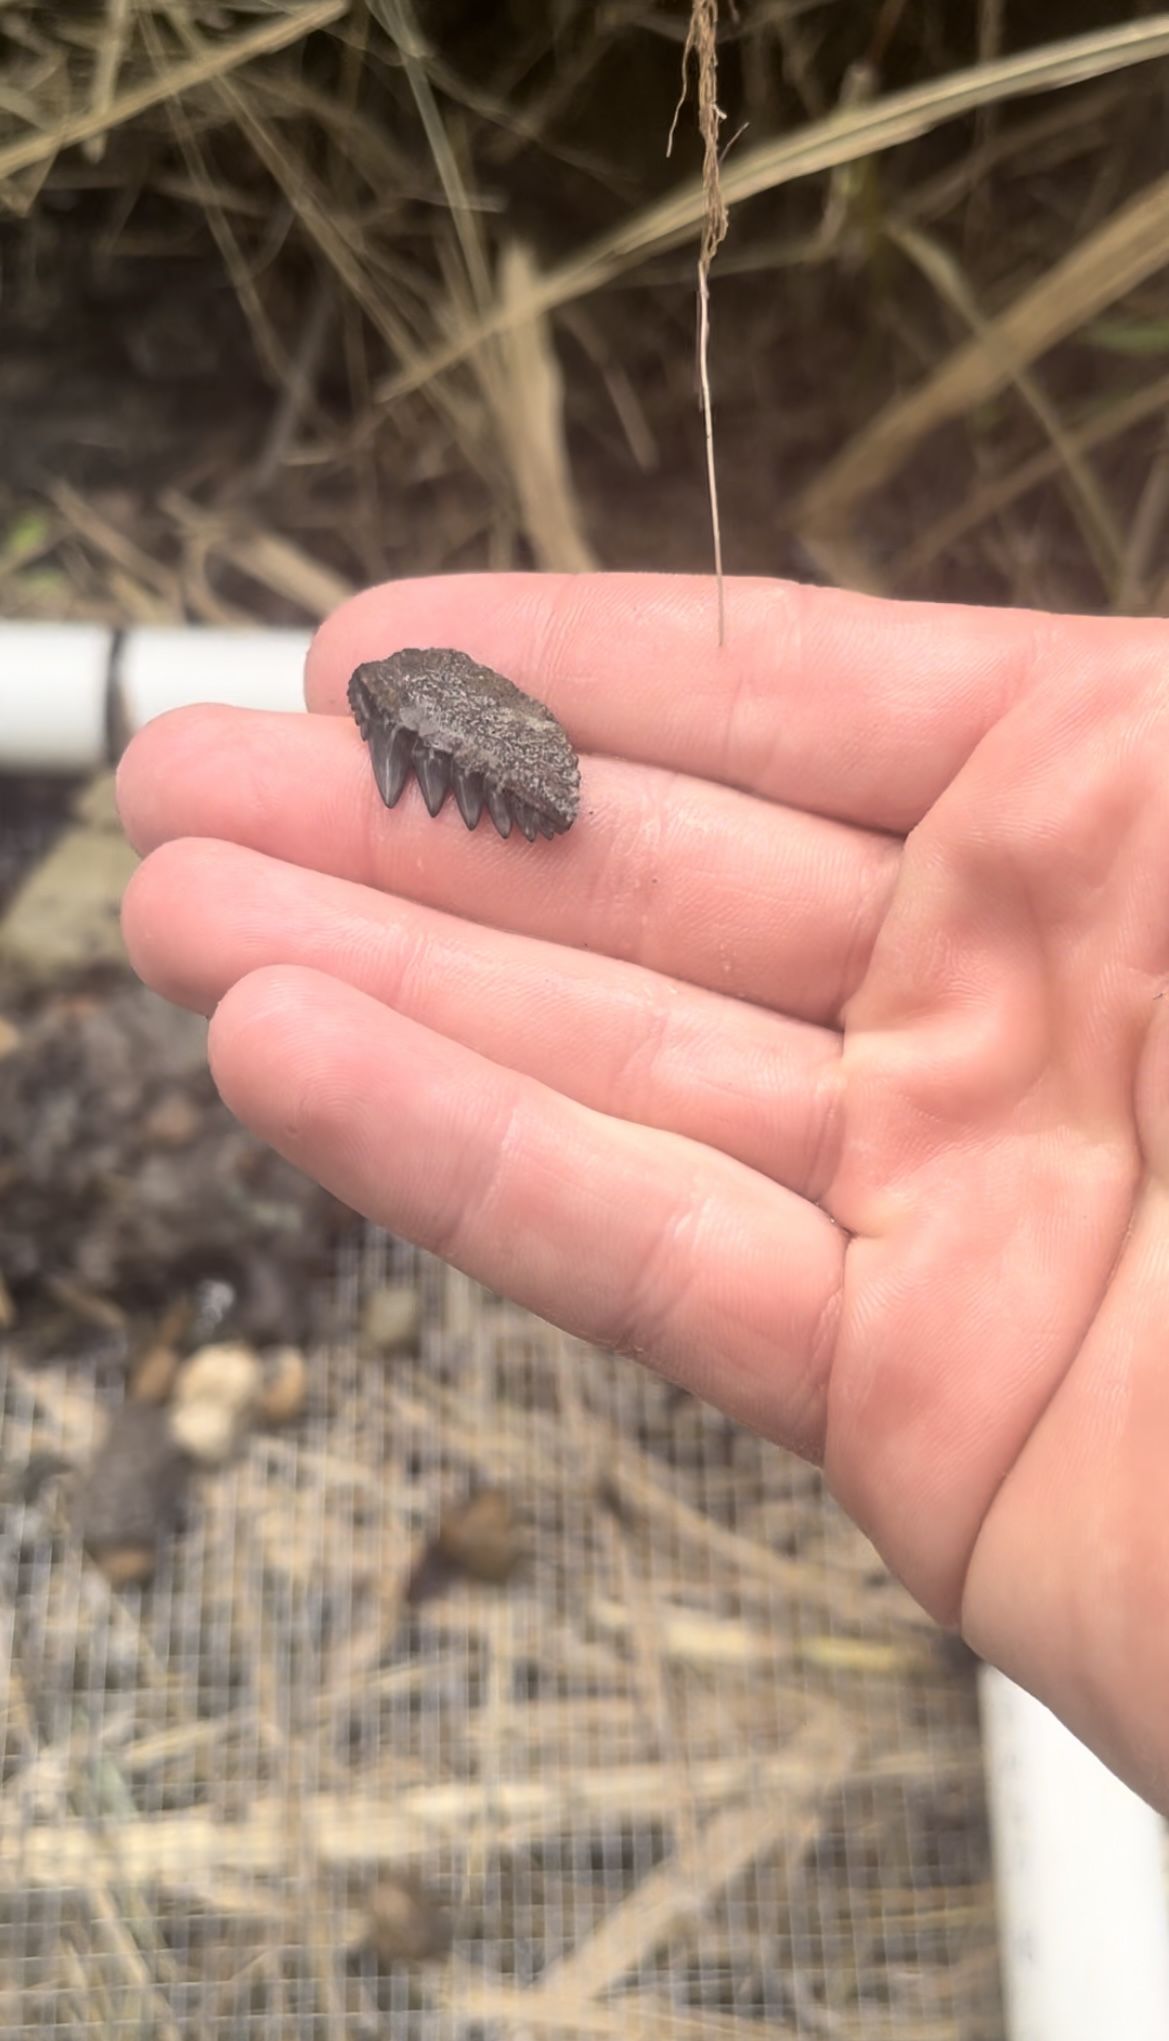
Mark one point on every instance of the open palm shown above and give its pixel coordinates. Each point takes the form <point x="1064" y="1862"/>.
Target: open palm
<point x="822" y="1065"/>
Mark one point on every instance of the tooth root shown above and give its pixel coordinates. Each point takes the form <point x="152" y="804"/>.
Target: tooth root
<point x="525" y="816"/>
<point x="359" y="705"/>
<point x="434" y="775"/>
<point x="390" y="748"/>
<point x="498" y="809"/>
<point x="469" y="795"/>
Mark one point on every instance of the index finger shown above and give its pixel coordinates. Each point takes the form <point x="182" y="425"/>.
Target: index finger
<point x="844" y="705"/>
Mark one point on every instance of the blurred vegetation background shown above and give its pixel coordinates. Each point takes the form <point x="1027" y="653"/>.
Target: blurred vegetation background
<point x="296" y="295"/>
<point x="299" y="294"/>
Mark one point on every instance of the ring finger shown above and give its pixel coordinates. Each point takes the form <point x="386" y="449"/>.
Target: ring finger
<point x="199" y="916"/>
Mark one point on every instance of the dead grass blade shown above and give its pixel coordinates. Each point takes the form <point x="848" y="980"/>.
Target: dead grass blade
<point x="702" y="44"/>
<point x="214" y="62"/>
<point x="353" y="1827"/>
<point x="267" y="344"/>
<point x="111" y="50"/>
<point x="1001" y="491"/>
<point x="340" y="241"/>
<point x="524" y="387"/>
<point x="680" y="1889"/>
<point x="398" y="19"/>
<point x="520" y="376"/>
<point x="275" y="562"/>
<point x="1101" y="531"/>
<point x="1144" y="539"/>
<point x="631" y="2018"/>
<point x="1098" y="271"/>
<point x="842" y="138"/>
<point x="150" y="587"/>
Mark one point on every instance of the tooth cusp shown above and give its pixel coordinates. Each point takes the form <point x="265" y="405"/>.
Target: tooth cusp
<point x="433" y="770"/>
<point x="498" y="809"/>
<point x="391" y="749"/>
<point x="469" y="793"/>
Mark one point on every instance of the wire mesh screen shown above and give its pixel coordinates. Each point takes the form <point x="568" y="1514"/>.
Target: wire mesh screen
<point x="697" y="1770"/>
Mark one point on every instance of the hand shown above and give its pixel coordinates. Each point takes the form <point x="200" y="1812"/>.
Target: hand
<point x="822" y="1065"/>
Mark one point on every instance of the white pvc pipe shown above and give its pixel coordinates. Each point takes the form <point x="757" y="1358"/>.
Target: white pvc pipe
<point x="53" y="683"/>
<point x="160" y="668"/>
<point x="1080" y="1872"/>
<point x="56" y="691"/>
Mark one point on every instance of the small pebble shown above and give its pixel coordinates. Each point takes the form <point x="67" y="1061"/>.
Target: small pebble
<point x="215" y="1397"/>
<point x="391" y="1317"/>
<point x="482" y="1537"/>
<point x="131" y="1493"/>
<point x="408" y="1923"/>
<point x="479" y="1539"/>
<point x="207" y="1432"/>
<point x="172" y="1122"/>
<point x="284" y="1389"/>
<point x="127" y="1565"/>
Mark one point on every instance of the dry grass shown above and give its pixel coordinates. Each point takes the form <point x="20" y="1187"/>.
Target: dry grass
<point x="1131" y="246"/>
<point x="298" y="296"/>
<point x="703" y="1770"/>
<point x="336" y="293"/>
<point x="851" y="135"/>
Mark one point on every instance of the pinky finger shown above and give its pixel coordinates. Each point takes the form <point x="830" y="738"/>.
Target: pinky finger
<point x="625" y="1235"/>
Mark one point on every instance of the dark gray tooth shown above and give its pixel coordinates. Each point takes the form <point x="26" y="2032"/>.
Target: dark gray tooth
<point x="545" y="825"/>
<point x="525" y="816"/>
<point x="469" y="795"/>
<point x="498" y="809"/>
<point x="434" y="775"/>
<point x="390" y="747"/>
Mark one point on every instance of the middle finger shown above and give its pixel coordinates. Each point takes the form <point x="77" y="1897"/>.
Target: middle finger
<point x="199" y="916"/>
